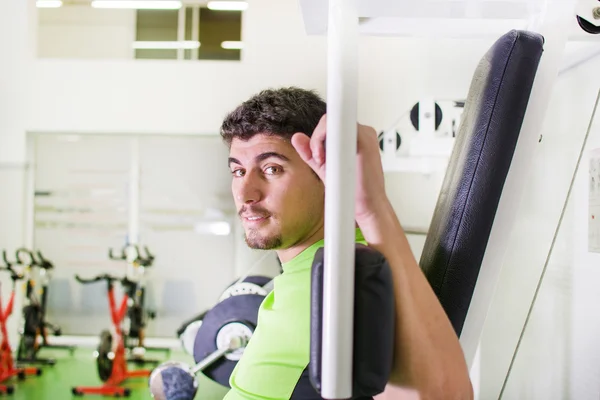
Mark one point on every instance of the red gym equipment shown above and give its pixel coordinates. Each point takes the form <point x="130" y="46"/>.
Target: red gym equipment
<point x="111" y="358"/>
<point x="7" y="367"/>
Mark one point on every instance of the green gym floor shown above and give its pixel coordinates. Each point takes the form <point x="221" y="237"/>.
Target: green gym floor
<point x="79" y="369"/>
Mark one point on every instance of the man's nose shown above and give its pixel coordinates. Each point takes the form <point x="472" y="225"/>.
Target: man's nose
<point x="249" y="189"/>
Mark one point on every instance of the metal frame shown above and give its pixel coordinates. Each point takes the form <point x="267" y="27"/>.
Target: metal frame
<point x="464" y="19"/>
<point x="338" y="302"/>
<point x="553" y="21"/>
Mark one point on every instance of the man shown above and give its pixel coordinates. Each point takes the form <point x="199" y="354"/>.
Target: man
<point x="277" y="161"/>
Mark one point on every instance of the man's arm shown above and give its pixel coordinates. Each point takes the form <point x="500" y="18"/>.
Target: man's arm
<point x="428" y="356"/>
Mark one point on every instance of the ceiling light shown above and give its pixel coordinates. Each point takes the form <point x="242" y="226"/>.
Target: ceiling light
<point x="138" y="4"/>
<point x="48" y="3"/>
<point x="231" y="45"/>
<point x="165" y="45"/>
<point x="227" y="5"/>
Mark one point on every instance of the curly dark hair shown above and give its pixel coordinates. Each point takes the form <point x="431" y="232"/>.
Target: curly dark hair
<point x="281" y="112"/>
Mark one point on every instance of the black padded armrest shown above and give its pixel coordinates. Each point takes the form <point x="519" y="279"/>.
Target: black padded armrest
<point x="374" y="322"/>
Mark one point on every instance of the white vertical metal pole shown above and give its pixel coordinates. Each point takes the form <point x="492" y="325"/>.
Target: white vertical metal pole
<point x="338" y="297"/>
<point x="29" y="193"/>
<point x="181" y="31"/>
<point x="134" y="193"/>
<point x="134" y="203"/>
<point x="195" y="29"/>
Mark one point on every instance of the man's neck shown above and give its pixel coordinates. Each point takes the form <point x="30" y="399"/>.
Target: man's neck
<point x="288" y="254"/>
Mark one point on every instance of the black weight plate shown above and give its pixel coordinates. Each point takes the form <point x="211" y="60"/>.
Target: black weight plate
<point x="414" y="116"/>
<point x="104" y="364"/>
<point x="244" y="309"/>
<point x="588" y="26"/>
<point x="381" y="138"/>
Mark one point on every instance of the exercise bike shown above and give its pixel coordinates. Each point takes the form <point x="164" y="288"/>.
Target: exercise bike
<point x="7" y="366"/>
<point x="110" y="357"/>
<point x="34" y="313"/>
<point x="137" y="315"/>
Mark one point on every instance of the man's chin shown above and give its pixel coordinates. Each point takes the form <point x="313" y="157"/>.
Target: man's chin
<point x="259" y="242"/>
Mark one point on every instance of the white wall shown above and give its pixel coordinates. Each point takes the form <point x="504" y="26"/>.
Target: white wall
<point x="167" y="96"/>
<point x="15" y="70"/>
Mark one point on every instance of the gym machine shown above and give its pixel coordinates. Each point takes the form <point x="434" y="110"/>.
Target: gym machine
<point x="137" y="315"/>
<point x="422" y="138"/>
<point x="110" y="356"/>
<point x="35" y="325"/>
<point x="216" y="338"/>
<point x="463" y="254"/>
<point x="251" y="284"/>
<point x="8" y="369"/>
<point x="588" y="16"/>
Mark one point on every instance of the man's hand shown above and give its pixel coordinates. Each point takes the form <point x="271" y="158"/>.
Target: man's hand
<point x="428" y="356"/>
<point x="370" y="185"/>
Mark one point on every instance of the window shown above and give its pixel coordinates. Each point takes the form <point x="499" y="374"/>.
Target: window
<point x="203" y="34"/>
<point x="84" y="204"/>
<point x="156" y="26"/>
<point x="193" y="32"/>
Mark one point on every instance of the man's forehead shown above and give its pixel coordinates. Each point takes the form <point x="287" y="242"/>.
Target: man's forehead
<point x="260" y="143"/>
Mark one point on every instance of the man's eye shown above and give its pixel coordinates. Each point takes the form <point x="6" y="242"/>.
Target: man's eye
<point x="272" y="170"/>
<point x="237" y="172"/>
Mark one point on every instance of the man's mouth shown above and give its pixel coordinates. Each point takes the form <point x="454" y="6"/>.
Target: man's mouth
<point x="254" y="219"/>
<point x="254" y="216"/>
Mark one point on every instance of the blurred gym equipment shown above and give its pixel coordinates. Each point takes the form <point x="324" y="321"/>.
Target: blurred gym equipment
<point x="7" y="367"/>
<point x="35" y="326"/>
<point x="219" y="343"/>
<point x="175" y="380"/>
<point x="251" y="284"/>
<point x="110" y="357"/>
<point x="137" y="315"/>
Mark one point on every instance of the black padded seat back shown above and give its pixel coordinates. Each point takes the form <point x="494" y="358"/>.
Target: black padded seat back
<point x="482" y="155"/>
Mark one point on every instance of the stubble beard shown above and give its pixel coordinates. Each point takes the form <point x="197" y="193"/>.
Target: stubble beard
<point x="256" y="241"/>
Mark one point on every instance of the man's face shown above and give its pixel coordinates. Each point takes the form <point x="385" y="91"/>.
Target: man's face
<point x="279" y="199"/>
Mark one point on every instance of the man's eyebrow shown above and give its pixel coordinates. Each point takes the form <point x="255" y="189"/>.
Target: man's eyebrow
<point x="260" y="157"/>
<point x="233" y="161"/>
<point x="269" y="154"/>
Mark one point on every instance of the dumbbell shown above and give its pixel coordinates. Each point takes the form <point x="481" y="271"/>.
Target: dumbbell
<point x="253" y="284"/>
<point x="177" y="381"/>
<point x="219" y="344"/>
